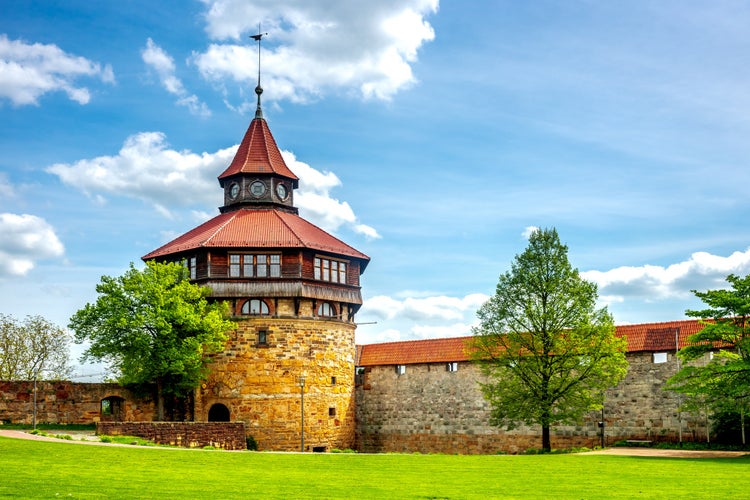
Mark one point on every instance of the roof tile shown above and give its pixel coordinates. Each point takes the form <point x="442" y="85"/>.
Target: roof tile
<point x="646" y="337"/>
<point x="258" y="154"/>
<point x="254" y="228"/>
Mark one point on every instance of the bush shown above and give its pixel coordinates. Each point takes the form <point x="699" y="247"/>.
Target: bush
<point x="252" y="445"/>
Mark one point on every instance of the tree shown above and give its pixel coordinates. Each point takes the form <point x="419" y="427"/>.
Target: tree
<point x="547" y="353"/>
<point x="153" y="326"/>
<point x="721" y="383"/>
<point x="33" y="349"/>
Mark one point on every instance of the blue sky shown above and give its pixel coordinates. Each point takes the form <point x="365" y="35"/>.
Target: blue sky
<point x="429" y="136"/>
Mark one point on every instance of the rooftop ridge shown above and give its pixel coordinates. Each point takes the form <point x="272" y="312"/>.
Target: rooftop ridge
<point x="663" y="336"/>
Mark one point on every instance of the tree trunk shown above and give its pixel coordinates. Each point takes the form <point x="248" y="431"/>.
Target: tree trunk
<point x="546" y="445"/>
<point x="159" y="400"/>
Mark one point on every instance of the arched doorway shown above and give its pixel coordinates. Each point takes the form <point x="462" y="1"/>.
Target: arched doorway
<point x="218" y="413"/>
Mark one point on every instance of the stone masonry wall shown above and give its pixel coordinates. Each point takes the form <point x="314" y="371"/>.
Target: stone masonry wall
<point x="259" y="384"/>
<point x="430" y="409"/>
<point x="67" y="402"/>
<point x="223" y="435"/>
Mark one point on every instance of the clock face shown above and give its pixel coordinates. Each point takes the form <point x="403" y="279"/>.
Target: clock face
<point x="234" y="190"/>
<point x="281" y="191"/>
<point x="257" y="189"/>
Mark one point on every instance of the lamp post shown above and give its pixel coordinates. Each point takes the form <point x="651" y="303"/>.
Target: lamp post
<point x="302" y="412"/>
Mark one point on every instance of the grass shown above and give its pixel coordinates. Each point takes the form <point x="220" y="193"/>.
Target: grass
<point x="39" y="469"/>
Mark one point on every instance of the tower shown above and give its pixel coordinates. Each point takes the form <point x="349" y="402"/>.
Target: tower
<point x="293" y="289"/>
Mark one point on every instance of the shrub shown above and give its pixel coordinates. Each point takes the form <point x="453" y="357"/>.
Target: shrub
<point x="252" y="445"/>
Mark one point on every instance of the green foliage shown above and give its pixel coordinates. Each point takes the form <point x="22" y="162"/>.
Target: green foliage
<point x="33" y="349"/>
<point x="36" y="469"/>
<point x="722" y="383"/>
<point x="726" y="427"/>
<point x="547" y="352"/>
<point x="154" y="326"/>
<point x="252" y="444"/>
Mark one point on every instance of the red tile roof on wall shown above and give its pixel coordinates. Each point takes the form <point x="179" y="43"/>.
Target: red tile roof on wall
<point x="648" y="337"/>
<point x="255" y="228"/>
<point x="259" y="154"/>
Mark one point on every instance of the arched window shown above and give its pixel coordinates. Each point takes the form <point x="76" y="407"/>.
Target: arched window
<point x="326" y="309"/>
<point x="255" y="307"/>
<point x="218" y="413"/>
<point x="111" y="409"/>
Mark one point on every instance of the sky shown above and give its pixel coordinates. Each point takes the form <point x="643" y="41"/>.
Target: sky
<point x="432" y="136"/>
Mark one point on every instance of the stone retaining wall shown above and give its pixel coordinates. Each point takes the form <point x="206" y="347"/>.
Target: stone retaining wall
<point x="223" y="435"/>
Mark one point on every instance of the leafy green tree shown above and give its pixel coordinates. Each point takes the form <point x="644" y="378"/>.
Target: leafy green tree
<point x="547" y="352"/>
<point x="153" y="326"/>
<point x="722" y="382"/>
<point x="33" y="349"/>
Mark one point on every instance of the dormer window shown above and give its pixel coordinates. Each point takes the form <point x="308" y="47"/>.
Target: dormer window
<point x="248" y="265"/>
<point x="190" y="264"/>
<point x="330" y="270"/>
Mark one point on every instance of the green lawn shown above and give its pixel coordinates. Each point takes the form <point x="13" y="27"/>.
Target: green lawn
<point x="36" y="469"/>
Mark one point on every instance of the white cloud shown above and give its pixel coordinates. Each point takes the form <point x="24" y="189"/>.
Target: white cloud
<point x="360" y="46"/>
<point x="28" y="71"/>
<point x="700" y="272"/>
<point x="439" y="307"/>
<point x="529" y="231"/>
<point x="441" y="331"/>
<point x="161" y="62"/>
<point x="25" y="239"/>
<point x="315" y="202"/>
<point x="146" y="169"/>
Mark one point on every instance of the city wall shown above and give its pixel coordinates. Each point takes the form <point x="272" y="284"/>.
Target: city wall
<point x="66" y="402"/>
<point x="430" y="409"/>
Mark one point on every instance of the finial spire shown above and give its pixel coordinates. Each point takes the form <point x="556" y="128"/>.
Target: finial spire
<point x="258" y="89"/>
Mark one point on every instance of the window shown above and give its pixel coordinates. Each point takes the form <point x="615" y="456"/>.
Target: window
<point x="330" y="270"/>
<point x="332" y="411"/>
<point x="255" y="307"/>
<point x="400" y="369"/>
<point x="190" y="265"/>
<point x="111" y="408"/>
<point x="660" y="357"/>
<point x="452" y="367"/>
<point x="249" y="265"/>
<point x="327" y="310"/>
<point x="333" y="380"/>
<point x="262" y="337"/>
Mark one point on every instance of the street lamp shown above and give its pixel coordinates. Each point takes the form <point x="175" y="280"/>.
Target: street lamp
<point x="302" y="412"/>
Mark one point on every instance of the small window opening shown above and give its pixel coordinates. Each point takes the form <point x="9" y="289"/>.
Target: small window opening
<point x="452" y="367"/>
<point x="333" y="380"/>
<point x="262" y="337"/>
<point x="660" y="357"/>
<point x="332" y="411"/>
<point x="400" y="369"/>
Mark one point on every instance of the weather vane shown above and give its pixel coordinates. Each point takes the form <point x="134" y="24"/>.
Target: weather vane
<point x="258" y="89"/>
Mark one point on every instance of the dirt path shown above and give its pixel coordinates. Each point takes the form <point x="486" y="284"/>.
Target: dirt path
<point x="658" y="452"/>
<point x="83" y="437"/>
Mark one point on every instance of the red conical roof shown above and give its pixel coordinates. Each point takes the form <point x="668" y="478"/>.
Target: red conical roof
<point x="258" y="154"/>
